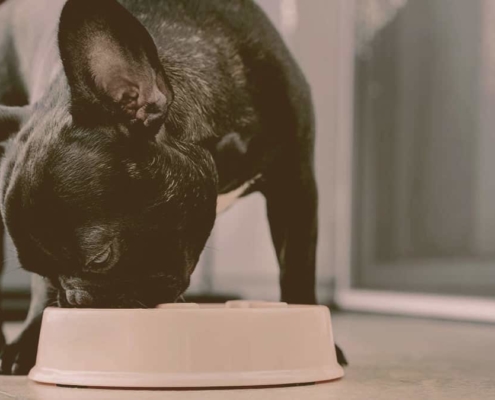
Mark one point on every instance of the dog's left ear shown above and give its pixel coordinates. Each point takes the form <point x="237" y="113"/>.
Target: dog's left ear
<point x="112" y="65"/>
<point x="12" y="119"/>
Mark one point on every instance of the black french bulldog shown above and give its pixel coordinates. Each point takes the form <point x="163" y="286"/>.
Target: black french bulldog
<point x="126" y="121"/>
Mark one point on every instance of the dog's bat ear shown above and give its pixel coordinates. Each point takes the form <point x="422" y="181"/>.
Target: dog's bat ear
<point x="112" y="65"/>
<point x="12" y="119"/>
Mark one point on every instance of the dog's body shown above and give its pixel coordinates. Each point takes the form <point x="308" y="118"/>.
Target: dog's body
<point x="211" y="95"/>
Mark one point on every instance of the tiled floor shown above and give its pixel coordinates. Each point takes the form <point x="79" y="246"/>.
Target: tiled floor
<point x="391" y="358"/>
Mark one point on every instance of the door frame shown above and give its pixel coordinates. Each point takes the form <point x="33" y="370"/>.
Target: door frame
<point x="347" y="296"/>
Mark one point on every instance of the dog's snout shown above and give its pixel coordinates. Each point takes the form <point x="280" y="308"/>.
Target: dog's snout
<point x="79" y="298"/>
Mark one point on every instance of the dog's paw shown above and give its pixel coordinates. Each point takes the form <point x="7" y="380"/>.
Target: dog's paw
<point x="342" y="360"/>
<point x="16" y="360"/>
<point x="18" y="357"/>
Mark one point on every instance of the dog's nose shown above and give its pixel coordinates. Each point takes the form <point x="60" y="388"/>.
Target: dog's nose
<point x="78" y="298"/>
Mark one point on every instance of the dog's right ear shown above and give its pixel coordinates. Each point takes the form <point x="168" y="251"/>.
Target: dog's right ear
<point x="12" y="119"/>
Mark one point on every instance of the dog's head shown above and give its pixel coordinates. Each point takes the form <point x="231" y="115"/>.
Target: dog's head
<point x="97" y="195"/>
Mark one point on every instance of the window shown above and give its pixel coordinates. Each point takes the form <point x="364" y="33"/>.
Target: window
<point x="423" y="139"/>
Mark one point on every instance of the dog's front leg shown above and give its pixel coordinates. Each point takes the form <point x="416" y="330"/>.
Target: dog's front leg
<point x="292" y="208"/>
<point x="19" y="356"/>
<point x="291" y="200"/>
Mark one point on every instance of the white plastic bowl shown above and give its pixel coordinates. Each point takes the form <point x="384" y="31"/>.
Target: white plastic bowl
<point x="188" y="346"/>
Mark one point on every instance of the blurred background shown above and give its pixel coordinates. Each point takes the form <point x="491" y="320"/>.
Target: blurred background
<point x="404" y="93"/>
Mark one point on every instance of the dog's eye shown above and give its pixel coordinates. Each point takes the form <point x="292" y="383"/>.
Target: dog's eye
<point x="101" y="258"/>
<point x="104" y="260"/>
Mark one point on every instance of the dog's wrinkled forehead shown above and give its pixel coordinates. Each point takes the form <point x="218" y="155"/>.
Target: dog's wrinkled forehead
<point x="81" y="174"/>
<point x="91" y="169"/>
<point x="85" y="169"/>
